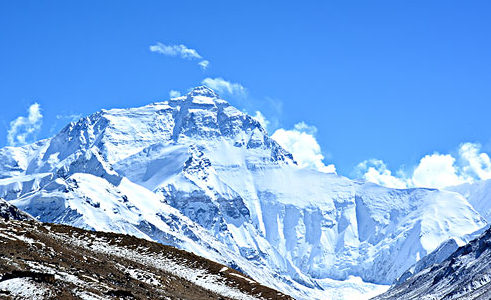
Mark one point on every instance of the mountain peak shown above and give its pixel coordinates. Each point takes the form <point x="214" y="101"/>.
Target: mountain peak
<point x="203" y="90"/>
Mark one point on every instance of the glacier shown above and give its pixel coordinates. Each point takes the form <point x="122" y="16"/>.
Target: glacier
<point x="196" y="173"/>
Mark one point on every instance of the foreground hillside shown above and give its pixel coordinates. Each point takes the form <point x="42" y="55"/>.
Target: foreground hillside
<point x="47" y="261"/>
<point x="466" y="274"/>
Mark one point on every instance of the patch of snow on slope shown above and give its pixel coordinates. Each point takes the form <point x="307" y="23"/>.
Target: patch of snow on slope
<point x="24" y="288"/>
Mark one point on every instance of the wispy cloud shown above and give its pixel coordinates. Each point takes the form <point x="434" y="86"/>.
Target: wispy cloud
<point x="223" y="86"/>
<point x="71" y="117"/>
<point x="376" y="171"/>
<point x="24" y="129"/>
<point x="181" y="51"/>
<point x="63" y="118"/>
<point x="204" y="64"/>
<point x="433" y="170"/>
<point x="302" y="144"/>
<point x="258" y="116"/>
<point x="174" y="94"/>
<point x="176" y="50"/>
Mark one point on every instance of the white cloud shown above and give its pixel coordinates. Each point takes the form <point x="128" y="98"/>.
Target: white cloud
<point x="23" y="130"/>
<point x="174" y="94"/>
<point x="437" y="171"/>
<point x="176" y="50"/>
<point x="302" y="144"/>
<point x="204" y="64"/>
<point x="71" y="117"/>
<point x="434" y="170"/>
<point x="182" y="51"/>
<point x="261" y="119"/>
<point x="223" y="86"/>
<point x="476" y="163"/>
<point x="375" y="170"/>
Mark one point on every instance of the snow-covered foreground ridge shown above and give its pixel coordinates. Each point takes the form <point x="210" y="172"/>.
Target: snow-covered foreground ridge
<point x="196" y="173"/>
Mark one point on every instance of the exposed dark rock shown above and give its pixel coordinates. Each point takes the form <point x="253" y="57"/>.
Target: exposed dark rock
<point x="37" y="276"/>
<point x="10" y="212"/>
<point x="120" y="294"/>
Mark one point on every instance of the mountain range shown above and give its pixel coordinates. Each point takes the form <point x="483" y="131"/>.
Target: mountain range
<point x="198" y="174"/>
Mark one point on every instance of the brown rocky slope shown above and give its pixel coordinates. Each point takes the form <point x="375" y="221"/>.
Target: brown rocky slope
<point x="47" y="261"/>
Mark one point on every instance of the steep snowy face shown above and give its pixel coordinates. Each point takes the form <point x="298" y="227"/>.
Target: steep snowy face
<point x="441" y="253"/>
<point x="199" y="174"/>
<point x="466" y="274"/>
<point x="330" y="227"/>
<point x="478" y="194"/>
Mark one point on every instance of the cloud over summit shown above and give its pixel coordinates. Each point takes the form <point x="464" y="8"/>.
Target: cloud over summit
<point x="223" y="86"/>
<point x="181" y="51"/>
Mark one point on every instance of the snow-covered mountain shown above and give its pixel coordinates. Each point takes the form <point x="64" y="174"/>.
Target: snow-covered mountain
<point x="440" y="254"/>
<point x="198" y="174"/>
<point x="478" y="194"/>
<point x="466" y="274"/>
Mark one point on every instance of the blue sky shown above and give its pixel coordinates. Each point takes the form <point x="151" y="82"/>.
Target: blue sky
<point x="388" y="80"/>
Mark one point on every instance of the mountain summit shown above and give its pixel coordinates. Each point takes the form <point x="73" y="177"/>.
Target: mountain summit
<point x="196" y="173"/>
<point x="203" y="90"/>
